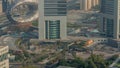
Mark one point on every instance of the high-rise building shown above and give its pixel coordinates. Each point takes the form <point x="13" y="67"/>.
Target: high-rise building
<point x="52" y="20"/>
<point x="88" y="4"/>
<point x="110" y="19"/>
<point x="4" y="5"/>
<point x="7" y="4"/>
<point x="4" y="60"/>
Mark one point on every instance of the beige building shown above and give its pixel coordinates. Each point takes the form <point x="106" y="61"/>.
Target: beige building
<point x="1" y="7"/>
<point x="4" y="60"/>
<point x="88" y="4"/>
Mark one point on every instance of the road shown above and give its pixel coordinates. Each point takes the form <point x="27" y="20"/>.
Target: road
<point x="17" y="65"/>
<point x="115" y="62"/>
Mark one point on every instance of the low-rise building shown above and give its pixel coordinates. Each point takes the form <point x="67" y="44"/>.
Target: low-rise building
<point x="4" y="60"/>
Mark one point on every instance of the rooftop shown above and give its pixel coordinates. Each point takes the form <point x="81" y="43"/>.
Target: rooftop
<point x="2" y="47"/>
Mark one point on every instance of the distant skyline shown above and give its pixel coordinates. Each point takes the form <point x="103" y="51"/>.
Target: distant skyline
<point x="88" y="4"/>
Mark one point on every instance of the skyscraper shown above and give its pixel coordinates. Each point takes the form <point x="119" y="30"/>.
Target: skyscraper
<point x="7" y="4"/>
<point x="52" y="25"/>
<point x="4" y="5"/>
<point x="88" y="4"/>
<point x="110" y="19"/>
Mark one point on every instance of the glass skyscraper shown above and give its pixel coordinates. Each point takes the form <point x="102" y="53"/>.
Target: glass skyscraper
<point x="110" y="19"/>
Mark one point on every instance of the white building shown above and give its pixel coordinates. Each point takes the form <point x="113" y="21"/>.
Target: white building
<point x="4" y="60"/>
<point x="52" y="19"/>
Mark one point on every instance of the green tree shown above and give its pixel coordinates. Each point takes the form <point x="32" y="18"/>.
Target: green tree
<point x="63" y="62"/>
<point x="91" y="64"/>
<point x="111" y="59"/>
<point x="78" y="63"/>
<point x="29" y="66"/>
<point x="35" y="23"/>
<point x="98" y="61"/>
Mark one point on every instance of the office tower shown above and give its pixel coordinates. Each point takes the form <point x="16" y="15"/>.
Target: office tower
<point x="4" y="5"/>
<point x="110" y="19"/>
<point x="4" y="60"/>
<point x="54" y="24"/>
<point x="7" y="4"/>
<point x="88" y="4"/>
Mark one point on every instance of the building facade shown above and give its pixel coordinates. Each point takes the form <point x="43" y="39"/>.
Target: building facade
<point x="1" y="7"/>
<point x="7" y="4"/>
<point x="4" y="60"/>
<point x="4" y="5"/>
<point x="88" y="4"/>
<point x="110" y="20"/>
<point x="52" y="25"/>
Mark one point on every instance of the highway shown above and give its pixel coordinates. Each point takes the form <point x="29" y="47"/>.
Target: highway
<point x="16" y="65"/>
